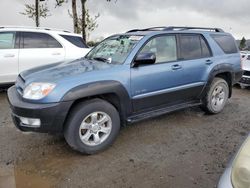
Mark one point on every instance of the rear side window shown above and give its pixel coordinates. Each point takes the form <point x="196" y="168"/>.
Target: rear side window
<point x="226" y="43"/>
<point x="193" y="47"/>
<point x="75" y="40"/>
<point x="7" y="40"/>
<point x="39" y="40"/>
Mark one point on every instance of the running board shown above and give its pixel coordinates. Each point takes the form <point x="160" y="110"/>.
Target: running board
<point x="161" y="111"/>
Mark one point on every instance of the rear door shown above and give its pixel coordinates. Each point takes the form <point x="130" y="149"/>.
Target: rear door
<point x="195" y="58"/>
<point x="38" y="49"/>
<point x="75" y="48"/>
<point x="8" y="57"/>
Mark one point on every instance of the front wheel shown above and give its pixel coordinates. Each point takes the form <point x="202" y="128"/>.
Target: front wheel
<point x="216" y="97"/>
<point x="92" y="126"/>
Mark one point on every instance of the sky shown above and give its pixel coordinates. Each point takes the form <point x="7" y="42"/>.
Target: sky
<point x="121" y="15"/>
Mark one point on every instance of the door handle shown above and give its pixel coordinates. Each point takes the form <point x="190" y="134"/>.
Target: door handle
<point x="176" y="67"/>
<point x="9" y="55"/>
<point x="56" y="53"/>
<point x="209" y="62"/>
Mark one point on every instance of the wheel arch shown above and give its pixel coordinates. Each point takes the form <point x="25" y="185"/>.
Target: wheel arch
<point x="110" y="91"/>
<point x="224" y="71"/>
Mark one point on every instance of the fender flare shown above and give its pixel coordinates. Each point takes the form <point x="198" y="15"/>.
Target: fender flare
<point x="102" y="88"/>
<point x="218" y="69"/>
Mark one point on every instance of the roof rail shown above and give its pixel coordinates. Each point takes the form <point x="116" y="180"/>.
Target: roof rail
<point x="174" y="28"/>
<point x="38" y="28"/>
<point x="148" y="29"/>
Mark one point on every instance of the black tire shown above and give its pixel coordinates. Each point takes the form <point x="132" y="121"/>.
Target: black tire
<point x="210" y="107"/>
<point x="76" y="117"/>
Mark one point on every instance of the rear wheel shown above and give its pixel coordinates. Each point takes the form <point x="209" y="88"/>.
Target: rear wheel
<point x="216" y="97"/>
<point x="92" y="126"/>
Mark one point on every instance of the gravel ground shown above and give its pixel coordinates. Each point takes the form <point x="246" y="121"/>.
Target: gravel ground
<point x="183" y="149"/>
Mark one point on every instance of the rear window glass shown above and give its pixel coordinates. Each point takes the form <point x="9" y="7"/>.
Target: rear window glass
<point x="39" y="40"/>
<point x="226" y="43"/>
<point x="75" y="40"/>
<point x="204" y="48"/>
<point x="193" y="46"/>
<point x="190" y="47"/>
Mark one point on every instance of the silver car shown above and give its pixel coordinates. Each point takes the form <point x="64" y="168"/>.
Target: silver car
<point x="237" y="173"/>
<point x="245" y="59"/>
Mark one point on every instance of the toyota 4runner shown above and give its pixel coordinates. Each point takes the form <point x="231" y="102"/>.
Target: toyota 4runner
<point x="128" y="77"/>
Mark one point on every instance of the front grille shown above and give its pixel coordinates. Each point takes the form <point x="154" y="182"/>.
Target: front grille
<point x="246" y="73"/>
<point x="20" y="83"/>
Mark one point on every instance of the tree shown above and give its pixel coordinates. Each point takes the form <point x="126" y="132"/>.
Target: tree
<point x="75" y="17"/>
<point x="84" y="22"/>
<point x="35" y="11"/>
<point x="243" y="44"/>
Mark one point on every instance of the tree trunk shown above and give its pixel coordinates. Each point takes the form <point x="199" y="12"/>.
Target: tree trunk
<point x="37" y="13"/>
<point x="83" y="19"/>
<point x="75" y="17"/>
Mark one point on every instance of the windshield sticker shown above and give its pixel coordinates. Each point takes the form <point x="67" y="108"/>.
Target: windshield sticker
<point x="135" y="37"/>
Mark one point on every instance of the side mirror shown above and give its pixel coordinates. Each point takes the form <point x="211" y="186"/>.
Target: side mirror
<point x="145" y="58"/>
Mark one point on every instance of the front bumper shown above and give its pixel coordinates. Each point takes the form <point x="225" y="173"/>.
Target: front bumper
<point x="245" y="80"/>
<point x="52" y="115"/>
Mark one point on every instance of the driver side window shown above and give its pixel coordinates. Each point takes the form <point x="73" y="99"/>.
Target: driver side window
<point x="164" y="48"/>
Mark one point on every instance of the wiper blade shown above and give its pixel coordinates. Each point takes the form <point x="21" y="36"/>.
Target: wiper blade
<point x="101" y="59"/>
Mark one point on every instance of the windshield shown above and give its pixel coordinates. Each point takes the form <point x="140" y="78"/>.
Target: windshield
<point x="114" y="49"/>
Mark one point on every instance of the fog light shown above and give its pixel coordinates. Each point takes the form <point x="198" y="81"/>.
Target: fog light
<point x="30" y="122"/>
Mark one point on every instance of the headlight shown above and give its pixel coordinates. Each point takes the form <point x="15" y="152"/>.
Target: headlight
<point x="241" y="167"/>
<point x="37" y="91"/>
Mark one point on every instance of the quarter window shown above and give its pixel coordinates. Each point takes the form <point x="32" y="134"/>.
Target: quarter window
<point x="77" y="41"/>
<point x="226" y="43"/>
<point x="164" y="48"/>
<point x="39" y="40"/>
<point x="7" y="40"/>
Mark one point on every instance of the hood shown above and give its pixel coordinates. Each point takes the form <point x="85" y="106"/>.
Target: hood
<point x="61" y="70"/>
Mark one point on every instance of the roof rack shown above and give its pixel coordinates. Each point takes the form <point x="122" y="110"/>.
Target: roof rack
<point x="38" y="28"/>
<point x="174" y="28"/>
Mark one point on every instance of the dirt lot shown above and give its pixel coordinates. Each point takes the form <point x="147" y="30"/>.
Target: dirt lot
<point x="182" y="149"/>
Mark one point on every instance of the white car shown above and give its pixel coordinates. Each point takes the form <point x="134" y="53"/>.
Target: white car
<point x="22" y="48"/>
<point x="245" y="80"/>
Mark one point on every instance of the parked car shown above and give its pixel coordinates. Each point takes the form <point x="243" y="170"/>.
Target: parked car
<point x="126" y="78"/>
<point x="22" y="48"/>
<point x="237" y="173"/>
<point x="245" y="80"/>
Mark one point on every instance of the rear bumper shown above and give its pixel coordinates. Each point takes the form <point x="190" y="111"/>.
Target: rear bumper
<point x="225" y="180"/>
<point x="51" y="116"/>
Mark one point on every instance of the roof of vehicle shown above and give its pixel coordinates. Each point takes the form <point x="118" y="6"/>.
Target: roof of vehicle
<point x="37" y="29"/>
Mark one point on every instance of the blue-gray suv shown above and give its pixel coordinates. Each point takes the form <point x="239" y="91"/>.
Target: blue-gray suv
<point x="128" y="77"/>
